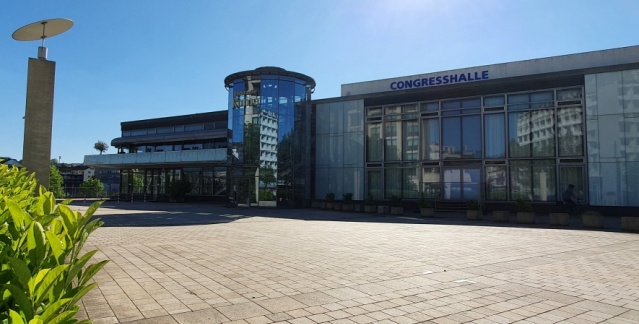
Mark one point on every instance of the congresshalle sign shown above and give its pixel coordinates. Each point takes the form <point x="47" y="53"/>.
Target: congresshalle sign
<point x="440" y="80"/>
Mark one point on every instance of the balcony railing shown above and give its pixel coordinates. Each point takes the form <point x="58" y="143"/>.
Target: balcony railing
<point x="150" y="158"/>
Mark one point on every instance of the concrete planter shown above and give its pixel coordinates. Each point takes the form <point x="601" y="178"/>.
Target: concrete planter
<point x="592" y="220"/>
<point x="525" y="217"/>
<point x="383" y="209"/>
<point x="358" y="208"/>
<point x="427" y="212"/>
<point x="397" y="210"/>
<point x="473" y="214"/>
<point x="337" y="206"/>
<point x="347" y="207"/>
<point x="314" y="204"/>
<point x="501" y="216"/>
<point x="322" y="205"/>
<point x="630" y="224"/>
<point x="559" y="219"/>
<point x="329" y="205"/>
<point x="370" y="208"/>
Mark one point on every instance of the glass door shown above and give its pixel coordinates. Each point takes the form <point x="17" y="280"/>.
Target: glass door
<point x="573" y="175"/>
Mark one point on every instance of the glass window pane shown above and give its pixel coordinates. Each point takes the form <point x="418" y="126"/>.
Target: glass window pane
<point x="494" y="135"/>
<point x="430" y="135"/>
<point x="520" y="182"/>
<point x="391" y="139"/>
<point x="570" y="132"/>
<point x="374" y="147"/>
<point x="471" y="142"/>
<point x="470" y="183"/>
<point x="569" y="94"/>
<point x="544" y="182"/>
<point x="392" y="110"/>
<point x="409" y="108"/>
<point x="494" y="101"/>
<point x="519" y="136"/>
<point x="454" y="104"/>
<point x="393" y="181"/>
<point x="377" y="111"/>
<point x="518" y="98"/>
<point x="410" y="139"/>
<point x="496" y="183"/>
<point x="430" y="106"/>
<point x="410" y="183"/>
<point x="471" y="103"/>
<point x="542" y="132"/>
<point x="431" y="186"/>
<point x="541" y="96"/>
<point x="451" y="138"/>
<point x="375" y="184"/>
<point x="452" y="184"/>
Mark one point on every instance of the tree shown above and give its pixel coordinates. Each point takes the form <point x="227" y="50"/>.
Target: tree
<point x="92" y="188"/>
<point x="101" y="146"/>
<point x="56" y="182"/>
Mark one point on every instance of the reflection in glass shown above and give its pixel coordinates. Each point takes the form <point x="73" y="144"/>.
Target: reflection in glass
<point x="451" y="138"/>
<point x="570" y="131"/>
<point x="391" y="140"/>
<point x="410" y="183"/>
<point x="430" y="134"/>
<point x="431" y="186"/>
<point x="496" y="183"/>
<point x="375" y="184"/>
<point x="471" y="137"/>
<point x="393" y="181"/>
<point x="374" y="149"/>
<point x="494" y="136"/>
<point x="410" y="139"/>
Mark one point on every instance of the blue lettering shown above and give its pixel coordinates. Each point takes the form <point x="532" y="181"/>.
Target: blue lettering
<point x="400" y="85"/>
<point x="424" y="82"/>
<point x="393" y="85"/>
<point x="477" y="77"/>
<point x="453" y="78"/>
<point x="446" y="81"/>
<point x="462" y="77"/>
<point x="431" y="81"/>
<point x="470" y="77"/>
<point x="408" y="83"/>
<point x="438" y="80"/>
<point x="484" y="75"/>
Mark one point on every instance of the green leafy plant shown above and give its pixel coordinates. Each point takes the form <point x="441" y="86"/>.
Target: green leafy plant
<point x="330" y="197"/>
<point x="524" y="206"/>
<point x="44" y="273"/>
<point x="347" y="198"/>
<point x="396" y="201"/>
<point x="369" y="200"/>
<point x="92" y="188"/>
<point x="472" y="205"/>
<point x="423" y="202"/>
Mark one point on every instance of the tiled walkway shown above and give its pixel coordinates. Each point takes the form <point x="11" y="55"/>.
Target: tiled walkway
<point x="308" y="266"/>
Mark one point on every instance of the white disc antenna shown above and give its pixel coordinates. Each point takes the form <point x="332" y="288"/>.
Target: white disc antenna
<point x="42" y="30"/>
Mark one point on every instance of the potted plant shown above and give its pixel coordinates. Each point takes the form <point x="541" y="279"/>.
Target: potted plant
<point x="314" y="202"/>
<point x="525" y="213"/>
<point x="347" y="202"/>
<point x="396" y="205"/>
<point x="330" y="199"/>
<point x="425" y="208"/>
<point x="178" y="190"/>
<point x="473" y="210"/>
<point x="369" y="204"/>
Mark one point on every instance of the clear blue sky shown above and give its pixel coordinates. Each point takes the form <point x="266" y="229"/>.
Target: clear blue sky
<point x="138" y="59"/>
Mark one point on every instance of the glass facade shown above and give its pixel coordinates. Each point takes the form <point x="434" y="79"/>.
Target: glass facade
<point x="498" y="147"/>
<point x="269" y="119"/>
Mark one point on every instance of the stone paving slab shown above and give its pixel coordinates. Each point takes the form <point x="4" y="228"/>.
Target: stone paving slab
<point x="177" y="263"/>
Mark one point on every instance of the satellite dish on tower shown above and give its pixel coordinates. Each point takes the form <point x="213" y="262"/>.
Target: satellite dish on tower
<point x="42" y="30"/>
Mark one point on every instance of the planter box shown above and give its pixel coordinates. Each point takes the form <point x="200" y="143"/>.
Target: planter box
<point x="347" y="207"/>
<point x="592" y="220"/>
<point x="370" y="208"/>
<point x="525" y="217"/>
<point x="427" y="212"/>
<point x="358" y="208"/>
<point x="314" y="204"/>
<point x="472" y="214"/>
<point x="322" y="205"/>
<point x="559" y="219"/>
<point x="397" y="210"/>
<point x="337" y="206"/>
<point x="329" y="205"/>
<point x="501" y="216"/>
<point x="630" y="224"/>
<point x="383" y="209"/>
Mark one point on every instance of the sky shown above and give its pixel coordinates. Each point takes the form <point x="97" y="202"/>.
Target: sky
<point x="127" y="60"/>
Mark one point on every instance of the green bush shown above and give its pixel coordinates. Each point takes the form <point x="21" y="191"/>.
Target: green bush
<point x="43" y="274"/>
<point x="93" y="187"/>
<point x="330" y="197"/>
<point x="396" y="201"/>
<point x="472" y="205"/>
<point x="266" y="195"/>
<point x="524" y="206"/>
<point x="347" y="198"/>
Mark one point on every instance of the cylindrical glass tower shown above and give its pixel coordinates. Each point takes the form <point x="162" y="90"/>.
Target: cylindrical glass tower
<point x="269" y="151"/>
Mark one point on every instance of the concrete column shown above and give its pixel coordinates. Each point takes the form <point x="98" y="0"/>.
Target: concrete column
<point x="38" y="119"/>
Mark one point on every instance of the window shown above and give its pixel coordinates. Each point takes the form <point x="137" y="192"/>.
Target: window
<point x="430" y="139"/>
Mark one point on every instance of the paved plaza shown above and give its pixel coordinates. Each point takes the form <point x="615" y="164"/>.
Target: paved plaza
<point x="182" y="263"/>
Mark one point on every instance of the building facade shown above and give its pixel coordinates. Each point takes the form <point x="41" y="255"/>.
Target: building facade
<point x="494" y="134"/>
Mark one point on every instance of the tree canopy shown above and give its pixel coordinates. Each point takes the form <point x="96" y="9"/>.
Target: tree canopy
<point x="101" y="146"/>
